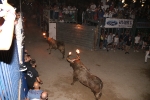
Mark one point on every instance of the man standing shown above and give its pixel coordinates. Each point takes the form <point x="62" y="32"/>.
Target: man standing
<point x="136" y="43"/>
<point x="32" y="75"/>
<point x="35" y="93"/>
<point x="109" y="41"/>
<point x="128" y="44"/>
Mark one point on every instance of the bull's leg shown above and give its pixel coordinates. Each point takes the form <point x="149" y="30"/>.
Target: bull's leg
<point x="74" y="79"/>
<point x="49" y="47"/>
<point x="63" y="53"/>
<point x="97" y="95"/>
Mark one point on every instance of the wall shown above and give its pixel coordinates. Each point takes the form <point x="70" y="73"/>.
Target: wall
<point x="75" y="34"/>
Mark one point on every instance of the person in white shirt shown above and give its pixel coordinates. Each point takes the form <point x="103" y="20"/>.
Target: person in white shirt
<point x="116" y="42"/>
<point x="136" y="43"/>
<point x="109" y="41"/>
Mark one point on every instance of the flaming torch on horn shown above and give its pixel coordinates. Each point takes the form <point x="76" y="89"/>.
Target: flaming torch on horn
<point x="78" y="51"/>
<point x="44" y="35"/>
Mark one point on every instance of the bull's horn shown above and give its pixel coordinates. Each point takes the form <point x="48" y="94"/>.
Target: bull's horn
<point x="68" y="59"/>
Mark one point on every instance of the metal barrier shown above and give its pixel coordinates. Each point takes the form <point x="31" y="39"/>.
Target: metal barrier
<point x="9" y="73"/>
<point x="12" y="82"/>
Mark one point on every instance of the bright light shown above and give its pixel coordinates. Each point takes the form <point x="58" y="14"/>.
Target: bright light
<point x="69" y="53"/>
<point x="123" y="1"/>
<point x="77" y="51"/>
<point x="44" y="33"/>
<point x="142" y="5"/>
<point x="125" y="5"/>
<point x="78" y="26"/>
<point x="134" y="1"/>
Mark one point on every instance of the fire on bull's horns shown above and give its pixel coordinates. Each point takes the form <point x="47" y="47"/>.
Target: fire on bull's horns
<point x="77" y="51"/>
<point x="44" y="35"/>
<point x="69" y="53"/>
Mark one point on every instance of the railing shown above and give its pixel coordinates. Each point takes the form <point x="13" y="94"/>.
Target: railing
<point x="9" y="74"/>
<point x="12" y="81"/>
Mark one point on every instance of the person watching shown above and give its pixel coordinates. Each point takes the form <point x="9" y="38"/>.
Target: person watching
<point x="32" y="75"/>
<point x="35" y="93"/>
<point x="44" y="96"/>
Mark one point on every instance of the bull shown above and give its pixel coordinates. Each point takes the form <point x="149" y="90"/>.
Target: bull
<point x="54" y="44"/>
<point x="83" y="75"/>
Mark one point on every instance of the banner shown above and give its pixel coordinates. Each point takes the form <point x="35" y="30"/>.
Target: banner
<point x="118" y="23"/>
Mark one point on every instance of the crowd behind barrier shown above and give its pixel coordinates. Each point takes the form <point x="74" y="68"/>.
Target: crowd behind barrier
<point x="114" y="10"/>
<point x="63" y="16"/>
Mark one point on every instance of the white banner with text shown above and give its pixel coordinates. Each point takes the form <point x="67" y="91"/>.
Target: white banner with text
<point x="118" y="23"/>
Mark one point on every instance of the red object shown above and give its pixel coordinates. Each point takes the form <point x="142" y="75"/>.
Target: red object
<point x="1" y="21"/>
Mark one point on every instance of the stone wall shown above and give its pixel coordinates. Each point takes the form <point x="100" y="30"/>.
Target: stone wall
<point x="75" y="34"/>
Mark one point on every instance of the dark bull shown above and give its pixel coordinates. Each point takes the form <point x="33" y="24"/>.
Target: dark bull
<point x="54" y="44"/>
<point x="82" y="74"/>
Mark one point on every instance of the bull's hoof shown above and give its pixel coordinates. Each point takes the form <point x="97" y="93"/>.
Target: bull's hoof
<point x="49" y="53"/>
<point x="72" y="83"/>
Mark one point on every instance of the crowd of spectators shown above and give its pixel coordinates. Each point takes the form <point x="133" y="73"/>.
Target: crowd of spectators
<point x="62" y="13"/>
<point x="98" y="11"/>
<point x="124" y="41"/>
<point x="33" y="80"/>
<point x="112" y="9"/>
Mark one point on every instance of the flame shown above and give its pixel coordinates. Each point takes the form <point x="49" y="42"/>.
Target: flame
<point x="69" y="53"/>
<point x="78" y="51"/>
<point x="44" y="33"/>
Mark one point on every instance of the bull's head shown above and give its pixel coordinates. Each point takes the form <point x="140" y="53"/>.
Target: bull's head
<point x="72" y="60"/>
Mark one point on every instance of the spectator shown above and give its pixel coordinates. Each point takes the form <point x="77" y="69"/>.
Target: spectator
<point x="136" y="43"/>
<point x="32" y="75"/>
<point x="56" y="12"/>
<point x="116" y="42"/>
<point x="35" y="93"/>
<point x="128" y="44"/>
<point x="121" y="41"/>
<point x="125" y="38"/>
<point x="44" y="96"/>
<point x="27" y="60"/>
<point x="93" y="7"/>
<point x="109" y="41"/>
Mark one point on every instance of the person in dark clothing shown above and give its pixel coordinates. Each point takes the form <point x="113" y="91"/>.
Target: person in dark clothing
<point x="125" y="38"/>
<point x="128" y="44"/>
<point x="32" y="75"/>
<point x="27" y="59"/>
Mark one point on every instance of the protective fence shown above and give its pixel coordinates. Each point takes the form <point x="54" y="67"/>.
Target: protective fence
<point x="9" y="74"/>
<point x="12" y="82"/>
